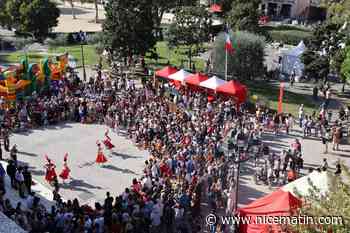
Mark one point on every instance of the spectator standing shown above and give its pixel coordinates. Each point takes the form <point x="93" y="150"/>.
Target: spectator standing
<point x="2" y="179"/>
<point x="11" y="172"/>
<point x="27" y="179"/>
<point x="13" y="154"/>
<point x="20" y="182"/>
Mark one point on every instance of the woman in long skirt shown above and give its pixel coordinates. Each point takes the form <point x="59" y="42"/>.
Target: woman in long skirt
<point x="50" y="170"/>
<point x="65" y="171"/>
<point x="101" y="158"/>
<point x="107" y="141"/>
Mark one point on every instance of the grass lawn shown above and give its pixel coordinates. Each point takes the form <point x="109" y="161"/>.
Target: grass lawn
<point x="15" y="57"/>
<point x="177" y="56"/>
<point x="291" y="101"/>
<point x="91" y="57"/>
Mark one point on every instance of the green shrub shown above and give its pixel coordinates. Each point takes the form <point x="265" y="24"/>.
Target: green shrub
<point x="20" y="42"/>
<point x="246" y="62"/>
<point x="59" y="40"/>
<point x="292" y="37"/>
<point x="94" y="38"/>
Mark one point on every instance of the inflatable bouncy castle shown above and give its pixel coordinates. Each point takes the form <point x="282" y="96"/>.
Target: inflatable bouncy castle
<point x="25" y="79"/>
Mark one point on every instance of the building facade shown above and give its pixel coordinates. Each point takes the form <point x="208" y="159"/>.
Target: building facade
<point x="283" y="9"/>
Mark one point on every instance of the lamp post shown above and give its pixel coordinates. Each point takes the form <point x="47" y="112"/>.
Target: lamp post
<point x="83" y="61"/>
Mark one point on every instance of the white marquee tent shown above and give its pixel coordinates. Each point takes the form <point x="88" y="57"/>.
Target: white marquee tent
<point x="181" y="75"/>
<point x="303" y="185"/>
<point x="291" y="60"/>
<point x="212" y="83"/>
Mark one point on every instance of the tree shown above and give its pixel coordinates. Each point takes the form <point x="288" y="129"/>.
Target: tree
<point x="244" y="15"/>
<point x="247" y="60"/>
<point x="345" y="67"/>
<point x="191" y="28"/>
<point x="38" y="17"/>
<point x="335" y="204"/>
<point x="4" y="17"/>
<point x="35" y="17"/>
<point x="338" y="11"/>
<point x="316" y="66"/>
<point x="129" y="28"/>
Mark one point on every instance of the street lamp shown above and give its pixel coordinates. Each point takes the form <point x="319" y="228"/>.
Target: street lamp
<point x="83" y="61"/>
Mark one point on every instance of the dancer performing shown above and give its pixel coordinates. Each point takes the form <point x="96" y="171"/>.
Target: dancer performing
<point x="65" y="171"/>
<point x="107" y="141"/>
<point x="50" y="170"/>
<point x="101" y="158"/>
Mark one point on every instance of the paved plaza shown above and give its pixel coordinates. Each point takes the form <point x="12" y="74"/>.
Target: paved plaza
<point x="89" y="181"/>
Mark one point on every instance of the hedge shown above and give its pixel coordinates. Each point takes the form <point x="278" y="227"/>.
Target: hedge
<point x="292" y="37"/>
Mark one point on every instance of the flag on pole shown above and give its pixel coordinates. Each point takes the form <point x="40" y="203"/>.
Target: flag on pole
<point x="228" y="43"/>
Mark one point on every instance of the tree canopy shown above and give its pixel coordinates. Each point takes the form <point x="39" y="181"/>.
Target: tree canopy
<point x="338" y="11"/>
<point x="191" y="27"/>
<point x="244" y="15"/>
<point x="335" y="204"/>
<point x="345" y="67"/>
<point x="247" y="60"/>
<point x="129" y="27"/>
<point x="36" y="17"/>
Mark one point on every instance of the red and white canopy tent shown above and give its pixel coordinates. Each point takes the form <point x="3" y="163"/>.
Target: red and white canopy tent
<point x="234" y="88"/>
<point x="196" y="79"/>
<point x="215" y="8"/>
<point x="213" y="83"/>
<point x="166" y="72"/>
<point x="277" y="203"/>
<point x="181" y="75"/>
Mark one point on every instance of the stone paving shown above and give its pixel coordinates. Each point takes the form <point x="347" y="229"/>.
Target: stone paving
<point x="89" y="182"/>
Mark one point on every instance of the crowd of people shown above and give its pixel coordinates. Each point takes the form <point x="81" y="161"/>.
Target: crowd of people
<point x="184" y="134"/>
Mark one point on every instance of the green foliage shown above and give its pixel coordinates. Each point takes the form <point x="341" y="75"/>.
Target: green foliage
<point x="129" y="27"/>
<point x="94" y="38"/>
<point x="345" y="67"/>
<point x="4" y="16"/>
<point x="246" y="62"/>
<point x="36" y="17"/>
<point x="191" y="28"/>
<point x="338" y="11"/>
<point x="335" y="204"/>
<point x="244" y="15"/>
<point x="315" y="65"/>
<point x="287" y="35"/>
<point x="21" y="42"/>
<point x="60" y="40"/>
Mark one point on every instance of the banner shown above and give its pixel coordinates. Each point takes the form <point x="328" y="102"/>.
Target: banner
<point x="280" y="100"/>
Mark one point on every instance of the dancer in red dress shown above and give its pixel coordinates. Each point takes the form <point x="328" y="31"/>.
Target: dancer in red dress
<point x="101" y="158"/>
<point x="107" y="141"/>
<point x="65" y="171"/>
<point x="50" y="170"/>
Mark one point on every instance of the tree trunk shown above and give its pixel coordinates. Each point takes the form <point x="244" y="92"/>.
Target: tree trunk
<point x="96" y="9"/>
<point x="72" y="6"/>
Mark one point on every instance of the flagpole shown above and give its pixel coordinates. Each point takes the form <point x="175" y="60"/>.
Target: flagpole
<point x="226" y="64"/>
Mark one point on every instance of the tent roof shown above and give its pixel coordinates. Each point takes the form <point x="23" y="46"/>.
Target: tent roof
<point x="276" y="203"/>
<point x="298" y="50"/>
<point x="303" y="185"/>
<point x="196" y="79"/>
<point x="166" y="71"/>
<point x="216" y="8"/>
<point x="234" y="88"/>
<point x="181" y="75"/>
<point x="212" y="83"/>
